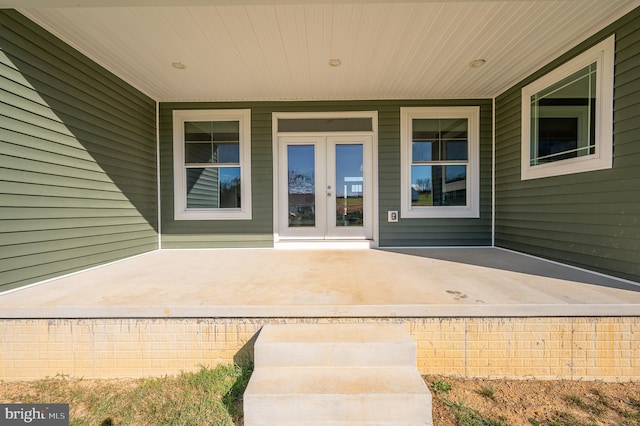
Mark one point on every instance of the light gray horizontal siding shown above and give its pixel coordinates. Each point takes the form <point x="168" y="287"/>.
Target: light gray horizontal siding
<point x="258" y="232"/>
<point x="77" y="160"/>
<point x="591" y="219"/>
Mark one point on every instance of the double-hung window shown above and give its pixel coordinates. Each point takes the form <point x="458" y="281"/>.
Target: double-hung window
<point x="212" y="158"/>
<point x="439" y="162"/>
<point x="567" y="116"/>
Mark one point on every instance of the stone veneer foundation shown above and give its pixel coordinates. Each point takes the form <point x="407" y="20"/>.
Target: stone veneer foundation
<point x="585" y="348"/>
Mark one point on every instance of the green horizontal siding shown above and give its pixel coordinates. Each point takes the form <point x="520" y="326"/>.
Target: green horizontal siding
<point x="431" y="232"/>
<point x="592" y="219"/>
<point x="258" y="232"/>
<point x="77" y="160"/>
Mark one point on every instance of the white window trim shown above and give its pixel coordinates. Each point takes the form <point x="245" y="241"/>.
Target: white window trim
<point x="472" y="209"/>
<point x="603" y="55"/>
<point x="181" y="212"/>
<point x="325" y="114"/>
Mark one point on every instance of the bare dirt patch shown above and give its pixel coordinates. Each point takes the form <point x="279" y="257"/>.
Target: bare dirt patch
<point x="533" y="402"/>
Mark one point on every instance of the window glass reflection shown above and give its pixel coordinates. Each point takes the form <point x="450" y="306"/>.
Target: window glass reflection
<point x="349" y="185"/>
<point x="438" y="185"/>
<point x="301" y="185"/>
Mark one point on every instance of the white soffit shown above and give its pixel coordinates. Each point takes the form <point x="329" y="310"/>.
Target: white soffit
<point x="262" y="50"/>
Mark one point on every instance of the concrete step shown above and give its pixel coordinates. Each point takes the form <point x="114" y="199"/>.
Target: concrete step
<point x="358" y="345"/>
<point x="336" y="374"/>
<point x="368" y="395"/>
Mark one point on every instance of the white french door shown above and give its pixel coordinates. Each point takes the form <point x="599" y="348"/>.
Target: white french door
<point x="325" y="187"/>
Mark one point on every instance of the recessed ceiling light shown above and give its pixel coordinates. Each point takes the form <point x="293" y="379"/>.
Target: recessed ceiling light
<point x="335" y="62"/>
<point x="477" y="63"/>
<point x="178" y="65"/>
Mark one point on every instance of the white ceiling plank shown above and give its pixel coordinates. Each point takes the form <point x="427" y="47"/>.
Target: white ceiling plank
<point x="280" y="50"/>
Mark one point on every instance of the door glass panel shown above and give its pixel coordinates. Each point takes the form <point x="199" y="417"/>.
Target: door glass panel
<point x="301" y="175"/>
<point x="349" y="185"/>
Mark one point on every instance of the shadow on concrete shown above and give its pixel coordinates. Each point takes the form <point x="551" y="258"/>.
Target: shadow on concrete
<point x="506" y="260"/>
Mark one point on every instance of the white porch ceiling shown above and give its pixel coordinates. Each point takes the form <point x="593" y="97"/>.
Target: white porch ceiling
<point x="280" y="50"/>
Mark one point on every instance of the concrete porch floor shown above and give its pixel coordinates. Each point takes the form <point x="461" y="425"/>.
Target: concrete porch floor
<point x="241" y="283"/>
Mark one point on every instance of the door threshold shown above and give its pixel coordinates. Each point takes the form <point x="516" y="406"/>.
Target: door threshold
<point x="324" y="244"/>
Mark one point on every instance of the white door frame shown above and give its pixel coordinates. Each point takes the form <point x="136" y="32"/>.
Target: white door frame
<point x="277" y="169"/>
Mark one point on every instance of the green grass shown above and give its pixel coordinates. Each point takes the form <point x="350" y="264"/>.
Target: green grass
<point x="207" y="397"/>
<point x="467" y="416"/>
<point x="565" y="419"/>
<point x="576" y="400"/>
<point x="595" y="404"/>
<point x="488" y="392"/>
<point x="424" y="199"/>
<point x="213" y="396"/>
<point x="441" y="386"/>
